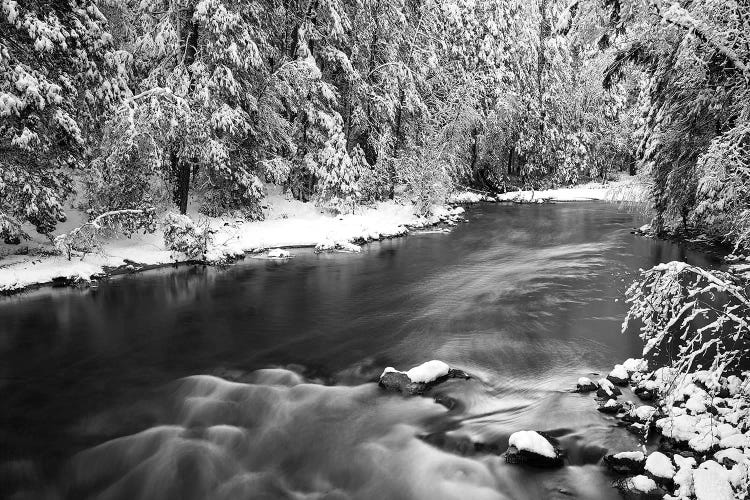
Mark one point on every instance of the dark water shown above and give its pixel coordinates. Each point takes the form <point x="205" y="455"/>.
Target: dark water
<point x="111" y="392"/>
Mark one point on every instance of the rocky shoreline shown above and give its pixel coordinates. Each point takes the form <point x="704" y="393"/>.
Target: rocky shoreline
<point x="697" y="424"/>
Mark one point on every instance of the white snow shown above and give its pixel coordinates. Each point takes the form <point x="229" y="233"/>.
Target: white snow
<point x="606" y="386"/>
<point x="425" y="373"/>
<point x="641" y="484"/>
<point x="659" y="465"/>
<point x="532" y="442"/>
<point x="625" y="189"/>
<point x="584" y="381"/>
<point x="635" y="365"/>
<point x="630" y="455"/>
<point x="711" y="482"/>
<point x="683" y="479"/>
<point x="466" y="197"/>
<point x="429" y="371"/>
<point x="735" y="441"/>
<point x="644" y="412"/>
<point x="278" y="253"/>
<point x="288" y="223"/>
<point x="620" y="372"/>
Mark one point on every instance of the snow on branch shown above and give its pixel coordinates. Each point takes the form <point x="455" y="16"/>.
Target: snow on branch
<point x="696" y="316"/>
<point x="679" y="16"/>
<point x="84" y="238"/>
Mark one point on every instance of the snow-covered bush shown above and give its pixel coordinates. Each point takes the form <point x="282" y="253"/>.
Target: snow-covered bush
<point x="183" y="235"/>
<point x="425" y="175"/>
<point x="339" y="174"/>
<point x="87" y="237"/>
<point x="693" y="317"/>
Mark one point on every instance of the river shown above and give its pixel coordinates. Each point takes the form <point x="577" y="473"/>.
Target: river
<point x="257" y="380"/>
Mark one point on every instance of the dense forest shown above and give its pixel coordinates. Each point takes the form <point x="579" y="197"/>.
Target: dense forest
<point x="134" y="105"/>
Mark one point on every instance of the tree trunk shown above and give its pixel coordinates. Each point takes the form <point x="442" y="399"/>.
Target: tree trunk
<point x="181" y="169"/>
<point x="181" y="179"/>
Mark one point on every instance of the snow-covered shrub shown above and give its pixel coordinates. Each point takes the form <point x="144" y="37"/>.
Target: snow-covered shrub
<point x="699" y="318"/>
<point x="339" y="174"/>
<point x="86" y="238"/>
<point x="426" y="177"/>
<point x="183" y="235"/>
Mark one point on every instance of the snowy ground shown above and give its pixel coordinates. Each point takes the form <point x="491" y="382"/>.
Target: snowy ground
<point x="288" y="223"/>
<point x="624" y="189"/>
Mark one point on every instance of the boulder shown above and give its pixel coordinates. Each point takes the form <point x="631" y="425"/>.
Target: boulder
<point x="607" y="390"/>
<point x="640" y="487"/>
<point x="585" y="384"/>
<point x="619" y="376"/>
<point x="626" y="462"/>
<point x="611" y="407"/>
<point x="536" y="449"/>
<point x="418" y="379"/>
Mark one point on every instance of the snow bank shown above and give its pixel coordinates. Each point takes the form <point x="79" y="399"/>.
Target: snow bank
<point x="288" y="223"/>
<point x="466" y="197"/>
<point x="532" y="442"/>
<point x="278" y="253"/>
<point x="626" y="189"/>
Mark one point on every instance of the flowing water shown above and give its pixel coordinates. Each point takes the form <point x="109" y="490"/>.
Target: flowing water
<point x="257" y="381"/>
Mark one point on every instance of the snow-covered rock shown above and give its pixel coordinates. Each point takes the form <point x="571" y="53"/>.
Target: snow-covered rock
<point x="337" y="246"/>
<point x="659" y="466"/>
<point x="585" y="384"/>
<point x="633" y="365"/>
<point x="711" y="482"/>
<point x="619" y="376"/>
<point x="637" y="485"/>
<point x="611" y="406"/>
<point x="647" y="390"/>
<point x="278" y="253"/>
<point x="533" y="448"/>
<point x="418" y="379"/>
<point x="683" y="478"/>
<point x="607" y="389"/>
<point x="626" y="462"/>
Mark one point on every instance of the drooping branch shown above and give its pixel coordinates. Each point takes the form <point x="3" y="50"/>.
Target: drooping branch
<point x="679" y="16"/>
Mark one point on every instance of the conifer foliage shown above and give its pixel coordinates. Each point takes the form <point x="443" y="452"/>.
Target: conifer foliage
<point x="59" y="72"/>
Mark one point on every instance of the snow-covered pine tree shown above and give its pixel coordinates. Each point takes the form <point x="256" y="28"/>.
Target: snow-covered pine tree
<point x="195" y="75"/>
<point x="58" y="73"/>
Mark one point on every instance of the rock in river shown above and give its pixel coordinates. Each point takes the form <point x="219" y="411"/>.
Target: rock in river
<point x="533" y="448"/>
<point x="419" y="379"/>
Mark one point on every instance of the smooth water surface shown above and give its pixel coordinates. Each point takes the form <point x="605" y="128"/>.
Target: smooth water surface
<point x="114" y="391"/>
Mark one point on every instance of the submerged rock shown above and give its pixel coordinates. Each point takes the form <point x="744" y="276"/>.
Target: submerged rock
<point x="626" y="462"/>
<point x="418" y="379"/>
<point x="533" y="448"/>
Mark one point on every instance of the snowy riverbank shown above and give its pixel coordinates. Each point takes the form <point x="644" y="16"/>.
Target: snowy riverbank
<point x="288" y="223"/>
<point x="701" y="421"/>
